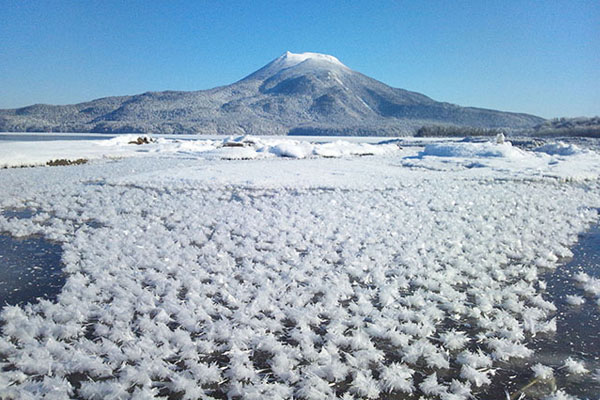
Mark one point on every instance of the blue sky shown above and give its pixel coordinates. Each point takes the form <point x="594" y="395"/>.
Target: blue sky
<point x="540" y="57"/>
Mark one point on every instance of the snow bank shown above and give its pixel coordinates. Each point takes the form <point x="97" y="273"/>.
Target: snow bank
<point x="489" y="159"/>
<point x="292" y="149"/>
<point x="556" y="160"/>
<point x="560" y="149"/>
<point x="473" y="150"/>
<point x="232" y="148"/>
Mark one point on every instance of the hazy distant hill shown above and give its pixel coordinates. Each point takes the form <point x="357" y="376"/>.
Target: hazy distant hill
<point x="305" y="93"/>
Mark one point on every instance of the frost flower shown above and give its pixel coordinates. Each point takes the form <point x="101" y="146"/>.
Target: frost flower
<point x="454" y="340"/>
<point x="575" y="367"/>
<point x="560" y="395"/>
<point x="542" y="372"/>
<point x="364" y="385"/>
<point x="479" y="378"/>
<point x="397" y="377"/>
<point x="431" y="386"/>
<point x="575" y="300"/>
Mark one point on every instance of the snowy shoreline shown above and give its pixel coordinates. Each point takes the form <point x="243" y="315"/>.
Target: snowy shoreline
<point x="219" y="269"/>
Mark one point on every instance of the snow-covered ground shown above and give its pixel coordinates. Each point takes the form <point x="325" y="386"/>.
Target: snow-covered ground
<point x="272" y="268"/>
<point x="23" y="153"/>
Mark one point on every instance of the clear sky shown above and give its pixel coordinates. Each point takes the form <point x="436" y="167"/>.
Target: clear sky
<point x="540" y="57"/>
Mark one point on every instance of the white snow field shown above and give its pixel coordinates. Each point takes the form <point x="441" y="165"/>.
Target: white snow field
<point x="271" y="268"/>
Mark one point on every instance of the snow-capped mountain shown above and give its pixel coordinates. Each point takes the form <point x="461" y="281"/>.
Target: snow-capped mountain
<point x="306" y="93"/>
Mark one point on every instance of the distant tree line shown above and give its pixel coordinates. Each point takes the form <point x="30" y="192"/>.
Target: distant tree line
<point x="455" y="131"/>
<point x="580" y="127"/>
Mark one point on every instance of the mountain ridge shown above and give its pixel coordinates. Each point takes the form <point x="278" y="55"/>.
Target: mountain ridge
<point x="308" y="93"/>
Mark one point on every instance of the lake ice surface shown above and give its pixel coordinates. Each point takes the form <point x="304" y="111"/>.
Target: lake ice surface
<point x="288" y="269"/>
<point x="30" y="269"/>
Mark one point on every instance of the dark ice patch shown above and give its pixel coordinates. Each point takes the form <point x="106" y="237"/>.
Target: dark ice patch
<point x="30" y="268"/>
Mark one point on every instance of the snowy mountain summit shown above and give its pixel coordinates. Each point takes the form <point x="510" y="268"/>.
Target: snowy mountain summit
<point x="307" y="62"/>
<point x="304" y="93"/>
<point x="290" y="59"/>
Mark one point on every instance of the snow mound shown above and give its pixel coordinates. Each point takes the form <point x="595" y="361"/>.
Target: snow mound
<point x="473" y="150"/>
<point x="560" y="149"/>
<point x="269" y="147"/>
<point x="119" y="140"/>
<point x="291" y="149"/>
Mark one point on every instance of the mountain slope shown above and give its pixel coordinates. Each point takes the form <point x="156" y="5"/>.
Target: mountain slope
<point x="306" y="93"/>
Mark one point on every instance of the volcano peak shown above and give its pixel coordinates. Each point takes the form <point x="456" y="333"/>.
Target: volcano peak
<point x="291" y="59"/>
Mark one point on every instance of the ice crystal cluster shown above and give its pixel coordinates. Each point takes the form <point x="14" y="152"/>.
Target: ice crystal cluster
<point x="277" y="279"/>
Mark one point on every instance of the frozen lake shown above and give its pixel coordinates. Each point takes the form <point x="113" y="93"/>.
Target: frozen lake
<point x="576" y="335"/>
<point x="31" y="269"/>
<point x="44" y="137"/>
<point x="277" y="268"/>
